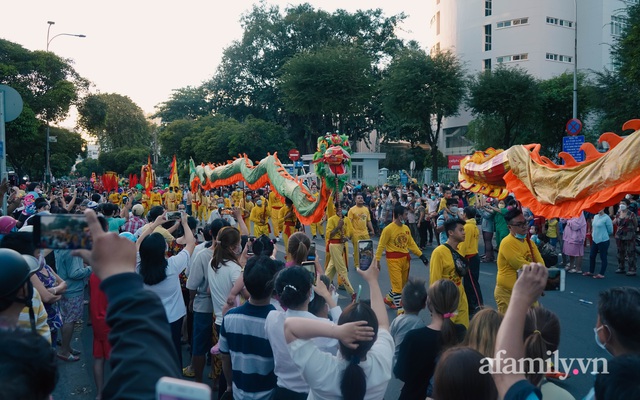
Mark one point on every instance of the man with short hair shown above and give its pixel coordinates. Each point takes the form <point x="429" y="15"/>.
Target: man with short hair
<point x="247" y="358"/>
<point x="516" y="250"/>
<point x="397" y="241"/>
<point x="361" y="223"/>
<point x="445" y="262"/>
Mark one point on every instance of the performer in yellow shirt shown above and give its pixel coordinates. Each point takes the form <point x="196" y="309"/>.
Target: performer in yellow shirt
<point x="146" y="202"/>
<point x="260" y="218"/>
<point x="338" y="233"/>
<point x="317" y="227"/>
<point x="170" y="200"/>
<point x="443" y="201"/>
<point x="275" y="204"/>
<point x="195" y="204"/>
<point x="396" y="239"/>
<point x="114" y="197"/>
<point x="246" y="205"/>
<point x="443" y="266"/>
<point x="236" y="197"/>
<point x="361" y="221"/>
<point x="469" y="250"/>
<point x="227" y="200"/>
<point x="289" y="220"/>
<point x="156" y="198"/>
<point x="516" y="250"/>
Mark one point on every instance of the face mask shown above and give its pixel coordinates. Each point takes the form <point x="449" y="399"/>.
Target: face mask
<point x="248" y="198"/>
<point x="598" y="342"/>
<point x="628" y="197"/>
<point x="344" y="212"/>
<point x="418" y="204"/>
<point x="409" y="198"/>
<point x="623" y="207"/>
<point x="454" y="210"/>
<point x="433" y="197"/>
<point x="500" y="205"/>
<point x="226" y="195"/>
<point x="520" y="236"/>
<point x="259" y="203"/>
<point x="220" y="206"/>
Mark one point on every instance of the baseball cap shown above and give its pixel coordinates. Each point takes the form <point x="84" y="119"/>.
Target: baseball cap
<point x="92" y="204"/>
<point x="85" y="203"/>
<point x="137" y="210"/>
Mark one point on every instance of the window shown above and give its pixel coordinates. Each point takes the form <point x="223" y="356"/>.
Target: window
<point x="487" y="8"/>
<point x="438" y="23"/>
<point x="512" y="22"/>
<point x="435" y="49"/>
<point x="455" y="137"/>
<point x="487" y="37"/>
<point x="486" y="65"/>
<point x="617" y="25"/>
<point x="558" y="57"/>
<point x="513" y="57"/>
<point x="356" y="171"/>
<point x="559" y="22"/>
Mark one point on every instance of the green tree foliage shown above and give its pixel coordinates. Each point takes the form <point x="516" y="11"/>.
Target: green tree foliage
<point x="65" y="151"/>
<point x="247" y="81"/>
<point x="399" y="157"/>
<point x="417" y="93"/>
<point x="186" y="103"/>
<point x="115" y="121"/>
<point x="88" y="166"/>
<point x="124" y="161"/>
<point x="508" y="95"/>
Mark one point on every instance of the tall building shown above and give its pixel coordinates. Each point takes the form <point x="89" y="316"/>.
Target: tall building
<point x="539" y="36"/>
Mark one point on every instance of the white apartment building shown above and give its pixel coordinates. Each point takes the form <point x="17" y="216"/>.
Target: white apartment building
<point x="537" y="35"/>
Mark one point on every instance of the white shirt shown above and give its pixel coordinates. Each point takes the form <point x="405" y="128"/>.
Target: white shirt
<point x="169" y="289"/>
<point x="323" y="372"/>
<point x="198" y="280"/>
<point x="220" y="284"/>
<point x="289" y="376"/>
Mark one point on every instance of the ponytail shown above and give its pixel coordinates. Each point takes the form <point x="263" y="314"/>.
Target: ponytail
<point x="443" y="298"/>
<point x="354" y="381"/>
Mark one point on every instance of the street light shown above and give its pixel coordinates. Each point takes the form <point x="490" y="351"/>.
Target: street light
<point x="575" y="63"/>
<point x="47" y="177"/>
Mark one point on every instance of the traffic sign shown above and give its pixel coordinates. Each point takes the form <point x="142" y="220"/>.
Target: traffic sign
<point x="574" y="126"/>
<point x="571" y="145"/>
<point x="294" y="155"/>
<point x="12" y="103"/>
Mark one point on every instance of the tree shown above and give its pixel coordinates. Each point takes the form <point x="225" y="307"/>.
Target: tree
<point x="124" y="161"/>
<point x="417" y="93"/>
<point x="65" y="151"/>
<point x="328" y="87"/>
<point x="257" y="137"/>
<point x="185" y="103"/>
<point x="509" y="94"/>
<point x="87" y="166"/>
<point x="115" y="120"/>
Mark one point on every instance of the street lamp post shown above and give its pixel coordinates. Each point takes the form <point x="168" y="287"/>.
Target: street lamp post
<point x="575" y="63"/>
<point x="47" y="177"/>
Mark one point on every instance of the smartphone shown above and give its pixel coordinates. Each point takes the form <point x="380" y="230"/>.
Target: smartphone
<point x="174" y="215"/>
<point x="250" y="241"/>
<point x="365" y="253"/>
<point x="311" y="256"/>
<point x="311" y="267"/>
<point x="555" y="280"/>
<point x="61" y="232"/>
<point x="178" y="389"/>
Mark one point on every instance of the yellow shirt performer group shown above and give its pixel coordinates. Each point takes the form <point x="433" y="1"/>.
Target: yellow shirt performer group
<point x="338" y="232"/>
<point x="396" y="239"/>
<point x="360" y="218"/>
<point x="443" y="266"/>
<point x="516" y="251"/>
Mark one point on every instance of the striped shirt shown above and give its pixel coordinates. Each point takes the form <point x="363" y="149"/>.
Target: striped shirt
<point x="243" y="336"/>
<point x="40" y="314"/>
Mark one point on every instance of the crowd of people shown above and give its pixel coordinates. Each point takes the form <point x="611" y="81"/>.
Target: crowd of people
<point x="273" y="329"/>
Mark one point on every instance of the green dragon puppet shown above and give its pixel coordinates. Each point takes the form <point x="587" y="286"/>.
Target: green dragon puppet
<point x="332" y="162"/>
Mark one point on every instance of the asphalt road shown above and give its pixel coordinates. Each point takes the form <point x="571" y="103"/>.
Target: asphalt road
<point x="577" y="319"/>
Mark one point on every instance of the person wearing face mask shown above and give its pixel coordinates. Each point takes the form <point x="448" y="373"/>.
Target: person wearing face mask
<point x="260" y="218"/>
<point x="362" y="227"/>
<point x="396" y="240"/>
<point x="449" y="212"/>
<point x="627" y="225"/>
<point x="516" y="250"/>
<point x="618" y="323"/>
<point x="573" y="237"/>
<point x="246" y="204"/>
<point x="295" y="291"/>
<point x="339" y="230"/>
<point x="602" y="229"/>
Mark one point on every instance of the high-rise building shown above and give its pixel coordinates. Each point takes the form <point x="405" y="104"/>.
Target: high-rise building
<point x="537" y="35"/>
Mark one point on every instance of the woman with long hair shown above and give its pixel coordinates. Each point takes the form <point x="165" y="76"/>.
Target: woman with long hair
<point x="295" y="290"/>
<point x="298" y="249"/>
<point x="458" y="376"/>
<point x="362" y="369"/>
<point x="225" y="269"/>
<point x="161" y="275"/>
<point x="421" y="347"/>
<point x="482" y="332"/>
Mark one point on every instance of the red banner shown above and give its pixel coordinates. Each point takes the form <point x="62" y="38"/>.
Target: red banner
<point x="454" y="161"/>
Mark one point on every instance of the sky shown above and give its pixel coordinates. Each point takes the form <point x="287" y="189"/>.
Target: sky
<point x="144" y="49"/>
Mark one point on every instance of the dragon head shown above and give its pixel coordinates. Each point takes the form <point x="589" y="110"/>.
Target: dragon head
<point x="333" y="159"/>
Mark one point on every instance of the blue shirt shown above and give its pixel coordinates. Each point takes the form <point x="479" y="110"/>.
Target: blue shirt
<point x="601" y="228"/>
<point x="244" y="338"/>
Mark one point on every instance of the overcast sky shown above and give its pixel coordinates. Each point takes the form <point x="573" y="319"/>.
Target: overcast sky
<point x="144" y="49"/>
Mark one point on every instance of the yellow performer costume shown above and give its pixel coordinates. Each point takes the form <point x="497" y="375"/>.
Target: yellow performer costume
<point x="336" y="253"/>
<point x="397" y="241"/>
<point x="289" y="223"/>
<point x="156" y="199"/>
<point x="236" y="197"/>
<point x="195" y="204"/>
<point x="513" y="255"/>
<point x="275" y="205"/>
<point x="171" y="201"/>
<point x="360" y="220"/>
<point x="442" y="267"/>
<point x="146" y="203"/>
<point x="115" y="198"/>
<point x="247" y="206"/>
<point x="260" y="218"/>
<point x="318" y="227"/>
